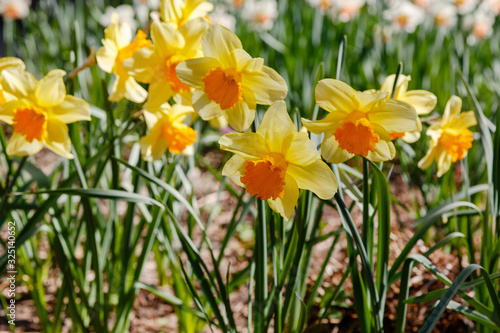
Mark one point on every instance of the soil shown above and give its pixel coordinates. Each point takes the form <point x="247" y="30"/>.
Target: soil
<point x="151" y="314"/>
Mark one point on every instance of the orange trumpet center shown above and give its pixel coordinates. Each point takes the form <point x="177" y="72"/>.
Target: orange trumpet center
<point x="30" y="122"/>
<point x="128" y="51"/>
<point x="223" y="86"/>
<point x="265" y="178"/>
<point x="178" y="136"/>
<point x="356" y="135"/>
<point x="456" y="144"/>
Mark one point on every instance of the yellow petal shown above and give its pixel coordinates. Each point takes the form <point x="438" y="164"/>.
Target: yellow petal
<point x="197" y="8"/>
<point x="423" y="101"/>
<point x="241" y="116"/>
<point x="7" y="110"/>
<point x="366" y="101"/>
<point x="331" y="151"/>
<point x="465" y="119"/>
<point x="191" y="71"/>
<point x="20" y="147"/>
<point x="452" y="109"/>
<point x="133" y="91"/>
<point x="384" y="151"/>
<point x="429" y="157"/>
<point x="7" y="62"/>
<point x="411" y="136"/>
<point x="144" y="64"/>
<point x="18" y="82"/>
<point x="245" y="63"/>
<point x="153" y="145"/>
<point x="57" y="138"/>
<point x="71" y="109"/>
<point x="285" y="206"/>
<point x="218" y="43"/>
<point x="443" y="162"/>
<point x="159" y="92"/>
<point x="334" y="95"/>
<point x="193" y="32"/>
<point x="276" y="126"/>
<point x="205" y="107"/>
<point x="316" y="177"/>
<point x="267" y="85"/>
<point x="165" y="38"/>
<point x="332" y="121"/>
<point x="401" y="87"/>
<point x="50" y="91"/>
<point x="302" y="151"/>
<point x="106" y="56"/>
<point x="233" y="169"/>
<point x="394" y="116"/>
<point x="247" y="145"/>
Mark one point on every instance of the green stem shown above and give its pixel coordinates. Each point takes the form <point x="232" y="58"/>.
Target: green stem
<point x="367" y="232"/>
<point x="261" y="267"/>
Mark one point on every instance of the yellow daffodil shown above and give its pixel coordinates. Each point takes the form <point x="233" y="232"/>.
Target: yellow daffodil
<point x="450" y="137"/>
<point x="228" y="81"/>
<point x="117" y="47"/>
<point x="168" y="131"/>
<point x="423" y="102"/>
<point x="8" y="62"/>
<point x="359" y="123"/>
<point x="40" y="111"/>
<point x="156" y="63"/>
<point x="176" y="13"/>
<point x="273" y="163"/>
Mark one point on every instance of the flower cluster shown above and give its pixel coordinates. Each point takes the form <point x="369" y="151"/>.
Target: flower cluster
<point x="194" y="67"/>
<point x="37" y="110"/>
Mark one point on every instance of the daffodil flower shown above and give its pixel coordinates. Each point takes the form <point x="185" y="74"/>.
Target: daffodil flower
<point x="40" y="111"/>
<point x="450" y="137"/>
<point x="358" y="123"/>
<point x="117" y="47"/>
<point x="273" y="163"/>
<point x="176" y="13"/>
<point x="228" y="81"/>
<point x="423" y="101"/>
<point x="168" y="131"/>
<point x="156" y="63"/>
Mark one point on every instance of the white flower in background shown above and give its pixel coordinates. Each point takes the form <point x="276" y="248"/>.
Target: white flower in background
<point x="237" y="4"/>
<point x="345" y="10"/>
<point x="424" y="4"/>
<point x="383" y="33"/>
<point x="480" y="25"/>
<point x="260" y="14"/>
<point x="15" y="9"/>
<point x="322" y="5"/>
<point x="465" y="6"/>
<point x="445" y="14"/>
<point x="125" y="15"/>
<point x="490" y="6"/>
<point x="222" y="17"/>
<point x="404" y="16"/>
<point x="144" y="7"/>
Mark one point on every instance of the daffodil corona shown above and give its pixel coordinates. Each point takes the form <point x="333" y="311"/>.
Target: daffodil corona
<point x="450" y="137"/>
<point x="39" y="112"/>
<point x="117" y="47"/>
<point x="228" y="81"/>
<point x="273" y="163"/>
<point x="358" y="123"/>
<point x="423" y="101"/>
<point x="168" y="131"/>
